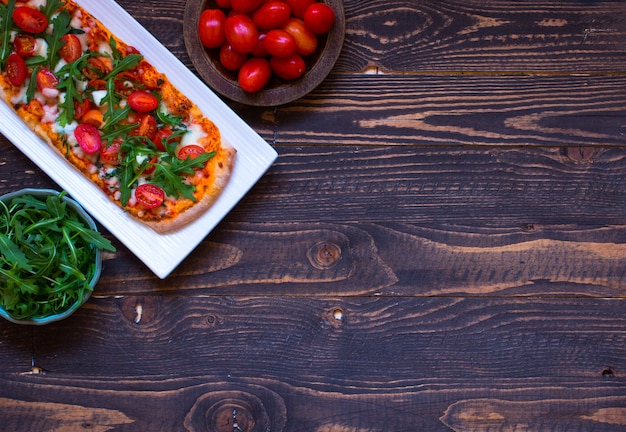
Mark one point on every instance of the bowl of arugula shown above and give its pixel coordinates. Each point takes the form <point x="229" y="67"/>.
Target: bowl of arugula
<point x="51" y="256"/>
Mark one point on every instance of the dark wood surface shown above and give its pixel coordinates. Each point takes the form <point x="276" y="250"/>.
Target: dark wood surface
<point x="440" y="246"/>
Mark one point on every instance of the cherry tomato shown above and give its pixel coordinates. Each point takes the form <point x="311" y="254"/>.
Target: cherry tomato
<point x="16" y="69"/>
<point x="29" y="19"/>
<point x="110" y="154"/>
<point x="254" y="74"/>
<point x="272" y="14"/>
<point x="147" y="127"/>
<point x="289" y="68"/>
<point x="224" y="4"/>
<point x="24" y="45"/>
<point x="47" y="82"/>
<point x="162" y="137"/>
<point x="211" y="27"/>
<point x="143" y="101"/>
<point x="298" y="7"/>
<point x="71" y="50"/>
<point x="81" y="108"/>
<point x="319" y="17"/>
<point x="149" y="195"/>
<point x="244" y="6"/>
<point x="279" y="43"/>
<point x="306" y="40"/>
<point x="260" y="50"/>
<point x="88" y="138"/>
<point x="241" y="33"/>
<point x="190" y="151"/>
<point x="229" y="58"/>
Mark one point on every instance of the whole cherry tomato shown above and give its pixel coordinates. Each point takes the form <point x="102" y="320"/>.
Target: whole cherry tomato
<point x="289" y="68"/>
<point x="272" y="14"/>
<point x="230" y="59"/>
<point x="241" y="33"/>
<point x="254" y="74"/>
<point x="298" y="7"/>
<point x="16" y="69"/>
<point x="211" y="27"/>
<point x="29" y="19"/>
<point x="279" y="43"/>
<point x="88" y="138"/>
<point x="306" y="40"/>
<point x="143" y="101"/>
<point x="319" y="17"/>
<point x="245" y="6"/>
<point x="224" y="4"/>
<point x="71" y="50"/>
<point x="24" y="45"/>
<point x="149" y="195"/>
<point x="260" y="50"/>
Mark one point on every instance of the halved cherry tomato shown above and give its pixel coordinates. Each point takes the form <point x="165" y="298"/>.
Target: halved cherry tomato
<point x="229" y="58"/>
<point x="29" y="19"/>
<point x="88" y="138"/>
<point x="71" y="50"/>
<point x="254" y="74"/>
<point x="147" y="127"/>
<point x="279" y="43"/>
<point x="306" y="40"/>
<point x="211" y="27"/>
<point x="149" y="195"/>
<point x="149" y="167"/>
<point x="143" y="101"/>
<point x="241" y="33"/>
<point x="93" y="117"/>
<point x="298" y="7"/>
<point x="24" y="45"/>
<point x="81" y="108"/>
<point x="111" y="154"/>
<point x="289" y="68"/>
<point x="272" y="14"/>
<point x="162" y="137"/>
<point x="16" y="69"/>
<point x="190" y="151"/>
<point x="244" y="6"/>
<point x="47" y="82"/>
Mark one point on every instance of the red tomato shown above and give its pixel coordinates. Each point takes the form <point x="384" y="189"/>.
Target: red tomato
<point x="279" y="43"/>
<point x="24" y="45"/>
<point x="229" y="58"/>
<point x="260" y="50"/>
<point x="29" y="19"/>
<point x="224" y="4"/>
<point x="190" y="151"/>
<point x="298" y="7"/>
<point x="162" y="137"/>
<point x="272" y="14"/>
<point x="254" y="74"/>
<point x="80" y="108"/>
<point x="88" y="138"/>
<point x="245" y="6"/>
<point x="289" y="68"/>
<point x="71" y="50"/>
<point x="47" y="82"/>
<point x="110" y="154"/>
<point x="241" y="33"/>
<point x="149" y="195"/>
<point x="143" y="101"/>
<point x="16" y="69"/>
<point x="306" y="40"/>
<point x="319" y="17"/>
<point x="147" y="127"/>
<point x="211" y="27"/>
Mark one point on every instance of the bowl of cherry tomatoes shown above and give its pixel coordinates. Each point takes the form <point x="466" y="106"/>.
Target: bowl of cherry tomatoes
<point x="264" y="52"/>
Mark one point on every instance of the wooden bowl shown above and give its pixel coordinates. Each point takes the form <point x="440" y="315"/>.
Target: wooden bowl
<point x="276" y="92"/>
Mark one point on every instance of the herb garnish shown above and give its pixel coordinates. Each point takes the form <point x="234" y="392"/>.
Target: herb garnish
<point x="6" y="13"/>
<point x="47" y="256"/>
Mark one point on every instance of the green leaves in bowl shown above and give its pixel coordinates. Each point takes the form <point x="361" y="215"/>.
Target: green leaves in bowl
<point x="50" y="255"/>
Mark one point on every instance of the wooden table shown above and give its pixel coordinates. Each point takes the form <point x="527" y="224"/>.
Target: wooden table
<point x="440" y="246"/>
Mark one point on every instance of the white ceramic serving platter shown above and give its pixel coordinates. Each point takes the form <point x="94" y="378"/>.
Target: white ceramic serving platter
<point x="162" y="253"/>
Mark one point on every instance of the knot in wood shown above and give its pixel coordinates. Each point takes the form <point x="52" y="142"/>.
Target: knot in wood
<point x="324" y="255"/>
<point x="139" y="310"/>
<point x="580" y="154"/>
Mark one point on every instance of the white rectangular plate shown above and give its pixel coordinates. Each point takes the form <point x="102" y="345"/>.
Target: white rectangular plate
<point x="162" y="253"/>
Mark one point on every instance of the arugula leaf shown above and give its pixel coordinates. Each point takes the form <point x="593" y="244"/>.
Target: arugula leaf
<point x="168" y="174"/>
<point x="68" y="75"/>
<point x="50" y="8"/>
<point x="5" y="31"/>
<point x="61" y="27"/>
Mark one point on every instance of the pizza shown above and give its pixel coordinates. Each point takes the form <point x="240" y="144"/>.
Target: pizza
<point x="110" y="113"/>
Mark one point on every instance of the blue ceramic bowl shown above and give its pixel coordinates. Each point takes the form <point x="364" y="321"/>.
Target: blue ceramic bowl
<point x="97" y="256"/>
